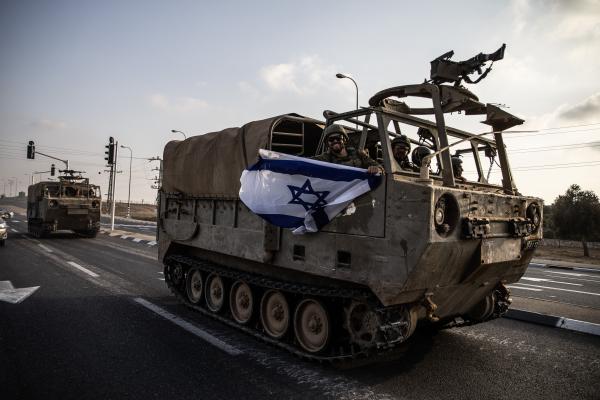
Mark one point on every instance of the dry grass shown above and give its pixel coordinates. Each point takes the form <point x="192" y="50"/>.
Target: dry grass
<point x="145" y="212"/>
<point x="568" y="254"/>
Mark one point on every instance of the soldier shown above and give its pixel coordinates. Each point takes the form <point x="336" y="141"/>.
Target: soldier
<point x="457" y="168"/>
<point x="336" y="151"/>
<point x="400" y="149"/>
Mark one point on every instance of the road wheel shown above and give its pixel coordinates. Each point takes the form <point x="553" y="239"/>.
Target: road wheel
<point x="274" y="313"/>
<point x="193" y="286"/>
<point x="214" y="293"/>
<point x="241" y="302"/>
<point x="311" y="325"/>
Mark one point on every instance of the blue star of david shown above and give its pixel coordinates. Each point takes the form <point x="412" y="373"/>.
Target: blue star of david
<point x="307" y="189"/>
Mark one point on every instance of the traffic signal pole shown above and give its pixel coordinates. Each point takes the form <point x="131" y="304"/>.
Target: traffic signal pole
<point x="114" y="177"/>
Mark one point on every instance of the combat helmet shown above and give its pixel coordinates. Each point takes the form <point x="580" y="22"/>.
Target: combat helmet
<point x="335" y="129"/>
<point x="457" y="166"/>
<point x="402" y="139"/>
<point x="418" y="154"/>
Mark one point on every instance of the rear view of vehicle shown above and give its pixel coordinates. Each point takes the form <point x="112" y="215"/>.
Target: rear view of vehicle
<point x="71" y="203"/>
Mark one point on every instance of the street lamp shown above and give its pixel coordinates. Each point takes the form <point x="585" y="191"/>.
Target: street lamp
<point x="129" y="191"/>
<point x="342" y="76"/>
<point x="175" y="131"/>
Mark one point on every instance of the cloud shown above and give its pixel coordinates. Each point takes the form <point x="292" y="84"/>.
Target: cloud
<point x="178" y="104"/>
<point x="304" y="76"/>
<point x="588" y="109"/>
<point x="48" y="124"/>
<point x="574" y="20"/>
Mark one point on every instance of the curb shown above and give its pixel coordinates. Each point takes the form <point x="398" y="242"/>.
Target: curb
<point x="131" y="238"/>
<point x="553" y="321"/>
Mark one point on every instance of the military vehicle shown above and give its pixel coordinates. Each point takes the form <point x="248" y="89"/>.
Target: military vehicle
<point x="424" y="248"/>
<point x="71" y="203"/>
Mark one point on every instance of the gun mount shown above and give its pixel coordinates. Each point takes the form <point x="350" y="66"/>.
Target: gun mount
<point x="445" y="70"/>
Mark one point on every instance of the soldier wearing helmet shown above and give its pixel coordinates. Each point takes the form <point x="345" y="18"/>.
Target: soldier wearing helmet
<point x="457" y="169"/>
<point x="336" y="152"/>
<point x="400" y="149"/>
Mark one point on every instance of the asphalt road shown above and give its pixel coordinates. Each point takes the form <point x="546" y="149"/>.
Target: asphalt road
<point x="103" y="325"/>
<point x="579" y="287"/>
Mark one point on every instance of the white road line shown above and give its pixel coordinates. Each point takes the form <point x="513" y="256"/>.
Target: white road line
<point x="152" y="243"/>
<point x="161" y="279"/>
<point x="79" y="267"/>
<point x="137" y="240"/>
<point x="45" y="248"/>
<point x="579" y="279"/>
<point x="14" y="230"/>
<point x="524" y="288"/>
<point x="189" y="327"/>
<point x="550" y="281"/>
<point x="562" y="290"/>
<point x="124" y="236"/>
<point x="569" y="274"/>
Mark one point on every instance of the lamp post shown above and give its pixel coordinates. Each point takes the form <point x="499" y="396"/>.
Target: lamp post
<point x="176" y="131"/>
<point x="129" y="191"/>
<point x="342" y="76"/>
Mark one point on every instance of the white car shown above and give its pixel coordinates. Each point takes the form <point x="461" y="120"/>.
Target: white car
<point x="3" y="232"/>
<point x="6" y="214"/>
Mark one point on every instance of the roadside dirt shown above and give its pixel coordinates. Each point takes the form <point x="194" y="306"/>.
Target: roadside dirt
<point x="568" y="254"/>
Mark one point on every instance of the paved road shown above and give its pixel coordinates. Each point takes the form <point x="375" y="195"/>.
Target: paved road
<point x="579" y="287"/>
<point x="103" y="325"/>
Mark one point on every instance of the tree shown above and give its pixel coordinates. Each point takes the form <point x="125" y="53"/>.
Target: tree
<point x="576" y="216"/>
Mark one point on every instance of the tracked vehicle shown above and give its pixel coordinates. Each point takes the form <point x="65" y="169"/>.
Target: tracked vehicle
<point x="426" y="247"/>
<point x="71" y="203"/>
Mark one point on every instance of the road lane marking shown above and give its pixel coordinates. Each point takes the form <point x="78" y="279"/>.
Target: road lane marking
<point x="571" y="274"/>
<point x="14" y="230"/>
<point x="232" y="351"/>
<point x="152" y="243"/>
<point x="82" y="269"/>
<point x="49" y="250"/>
<point x="563" y="290"/>
<point x="124" y="236"/>
<point x="524" y="288"/>
<point x="550" y="281"/>
<point x="137" y="240"/>
<point x="579" y="279"/>
<point x="11" y="295"/>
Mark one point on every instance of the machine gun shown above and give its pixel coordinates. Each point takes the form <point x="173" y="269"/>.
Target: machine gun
<point x="445" y="70"/>
<point x="72" y="176"/>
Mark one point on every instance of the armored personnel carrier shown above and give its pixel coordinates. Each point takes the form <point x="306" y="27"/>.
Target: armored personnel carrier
<point x="70" y="203"/>
<point x="426" y="247"/>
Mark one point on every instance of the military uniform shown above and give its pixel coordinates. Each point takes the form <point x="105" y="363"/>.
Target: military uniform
<point x="353" y="159"/>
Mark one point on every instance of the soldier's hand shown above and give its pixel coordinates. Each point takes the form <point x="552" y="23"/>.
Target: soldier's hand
<point x="373" y="169"/>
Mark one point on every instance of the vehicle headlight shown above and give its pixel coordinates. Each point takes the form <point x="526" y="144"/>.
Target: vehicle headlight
<point x="3" y="225"/>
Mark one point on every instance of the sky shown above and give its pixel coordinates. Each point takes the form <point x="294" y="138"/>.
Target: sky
<point x="73" y="73"/>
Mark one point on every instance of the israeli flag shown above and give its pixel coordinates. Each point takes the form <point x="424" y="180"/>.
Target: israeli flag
<point x="300" y="193"/>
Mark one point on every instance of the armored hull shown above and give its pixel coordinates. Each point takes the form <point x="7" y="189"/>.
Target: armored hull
<point x="64" y="205"/>
<point x="422" y="248"/>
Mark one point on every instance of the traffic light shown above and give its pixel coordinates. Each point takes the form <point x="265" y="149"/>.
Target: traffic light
<point x="31" y="150"/>
<point x="110" y="151"/>
<point x="52" y="170"/>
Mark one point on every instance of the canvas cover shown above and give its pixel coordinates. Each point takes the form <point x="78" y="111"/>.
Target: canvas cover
<point x="211" y="164"/>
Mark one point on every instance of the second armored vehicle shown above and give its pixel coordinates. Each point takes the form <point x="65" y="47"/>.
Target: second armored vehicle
<point x="72" y="203"/>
